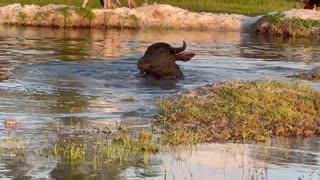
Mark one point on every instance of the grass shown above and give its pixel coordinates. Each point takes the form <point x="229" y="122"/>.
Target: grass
<point x="85" y="13"/>
<point x="97" y="150"/>
<point x="11" y="146"/>
<point x="241" y="111"/>
<point x="246" y="7"/>
<point x="311" y="76"/>
<point x="128" y="99"/>
<point x="277" y="25"/>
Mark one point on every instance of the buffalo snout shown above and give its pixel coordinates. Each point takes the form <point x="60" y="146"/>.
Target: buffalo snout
<point x="159" y="61"/>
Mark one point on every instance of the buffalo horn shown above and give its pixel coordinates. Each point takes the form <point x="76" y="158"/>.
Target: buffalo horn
<point x="179" y="49"/>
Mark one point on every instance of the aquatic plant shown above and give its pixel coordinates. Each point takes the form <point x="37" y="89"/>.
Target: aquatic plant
<point x="12" y="146"/>
<point x="312" y="75"/>
<point x="97" y="149"/>
<point x="240" y="111"/>
<point x="128" y="99"/>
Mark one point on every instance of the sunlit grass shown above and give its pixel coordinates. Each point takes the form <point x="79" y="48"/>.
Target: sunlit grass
<point x="241" y="111"/>
<point x="97" y="150"/>
<point x="247" y="7"/>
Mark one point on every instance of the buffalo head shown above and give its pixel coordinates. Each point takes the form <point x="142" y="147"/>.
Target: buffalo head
<point x="159" y="61"/>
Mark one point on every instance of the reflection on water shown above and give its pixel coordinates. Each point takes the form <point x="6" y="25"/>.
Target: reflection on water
<point x="80" y="76"/>
<point x="278" y="160"/>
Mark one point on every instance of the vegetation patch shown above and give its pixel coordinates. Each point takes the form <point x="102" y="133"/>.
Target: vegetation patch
<point x="11" y="146"/>
<point x="85" y="13"/>
<point x="66" y="12"/>
<point x="22" y="17"/>
<point x="40" y="16"/>
<point x="134" y="19"/>
<point x="128" y="99"/>
<point x="97" y="150"/>
<point x="310" y="76"/>
<point x="276" y="24"/>
<point x="241" y="111"/>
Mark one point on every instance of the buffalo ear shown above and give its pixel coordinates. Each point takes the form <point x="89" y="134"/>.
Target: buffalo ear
<point x="185" y="56"/>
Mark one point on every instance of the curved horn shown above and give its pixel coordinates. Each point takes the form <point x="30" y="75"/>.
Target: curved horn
<point x="179" y="49"/>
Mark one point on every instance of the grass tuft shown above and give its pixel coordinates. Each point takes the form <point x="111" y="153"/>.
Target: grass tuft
<point x="313" y="75"/>
<point x="241" y="111"/>
<point x="276" y="24"/>
<point x="128" y="99"/>
<point x="86" y="13"/>
<point x="97" y="150"/>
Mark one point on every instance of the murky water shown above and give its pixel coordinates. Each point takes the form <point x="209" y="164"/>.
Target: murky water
<point x="81" y="76"/>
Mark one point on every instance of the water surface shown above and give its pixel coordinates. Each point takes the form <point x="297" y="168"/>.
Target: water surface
<point x="82" y="75"/>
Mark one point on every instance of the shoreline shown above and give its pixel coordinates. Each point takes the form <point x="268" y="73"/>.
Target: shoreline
<point x="291" y="23"/>
<point x="144" y="17"/>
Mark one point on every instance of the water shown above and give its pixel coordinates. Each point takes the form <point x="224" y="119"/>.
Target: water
<point x="82" y="75"/>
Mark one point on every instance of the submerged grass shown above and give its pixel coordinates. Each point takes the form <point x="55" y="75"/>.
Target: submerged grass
<point x="247" y="7"/>
<point x="312" y="75"/>
<point x="241" y="111"/>
<point x="128" y="99"/>
<point x="276" y="24"/>
<point x="11" y="146"/>
<point x="98" y="150"/>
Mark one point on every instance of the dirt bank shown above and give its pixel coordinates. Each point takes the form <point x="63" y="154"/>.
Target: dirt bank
<point x="149" y="16"/>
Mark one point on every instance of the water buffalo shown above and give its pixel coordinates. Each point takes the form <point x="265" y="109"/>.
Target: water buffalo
<point x="311" y="4"/>
<point x="159" y="61"/>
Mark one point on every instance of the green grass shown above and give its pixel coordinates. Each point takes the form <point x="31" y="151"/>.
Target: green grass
<point x="98" y="150"/>
<point x="277" y="25"/>
<point x="247" y="7"/>
<point x="241" y="111"/>
<point x="311" y="76"/>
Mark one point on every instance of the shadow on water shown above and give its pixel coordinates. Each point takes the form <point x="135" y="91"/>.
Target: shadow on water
<point x="81" y="76"/>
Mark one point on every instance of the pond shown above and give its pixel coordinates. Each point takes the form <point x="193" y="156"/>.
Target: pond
<point x="83" y="76"/>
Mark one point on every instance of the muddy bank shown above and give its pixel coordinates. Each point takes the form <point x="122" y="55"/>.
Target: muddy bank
<point x="292" y="23"/>
<point x="149" y="16"/>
